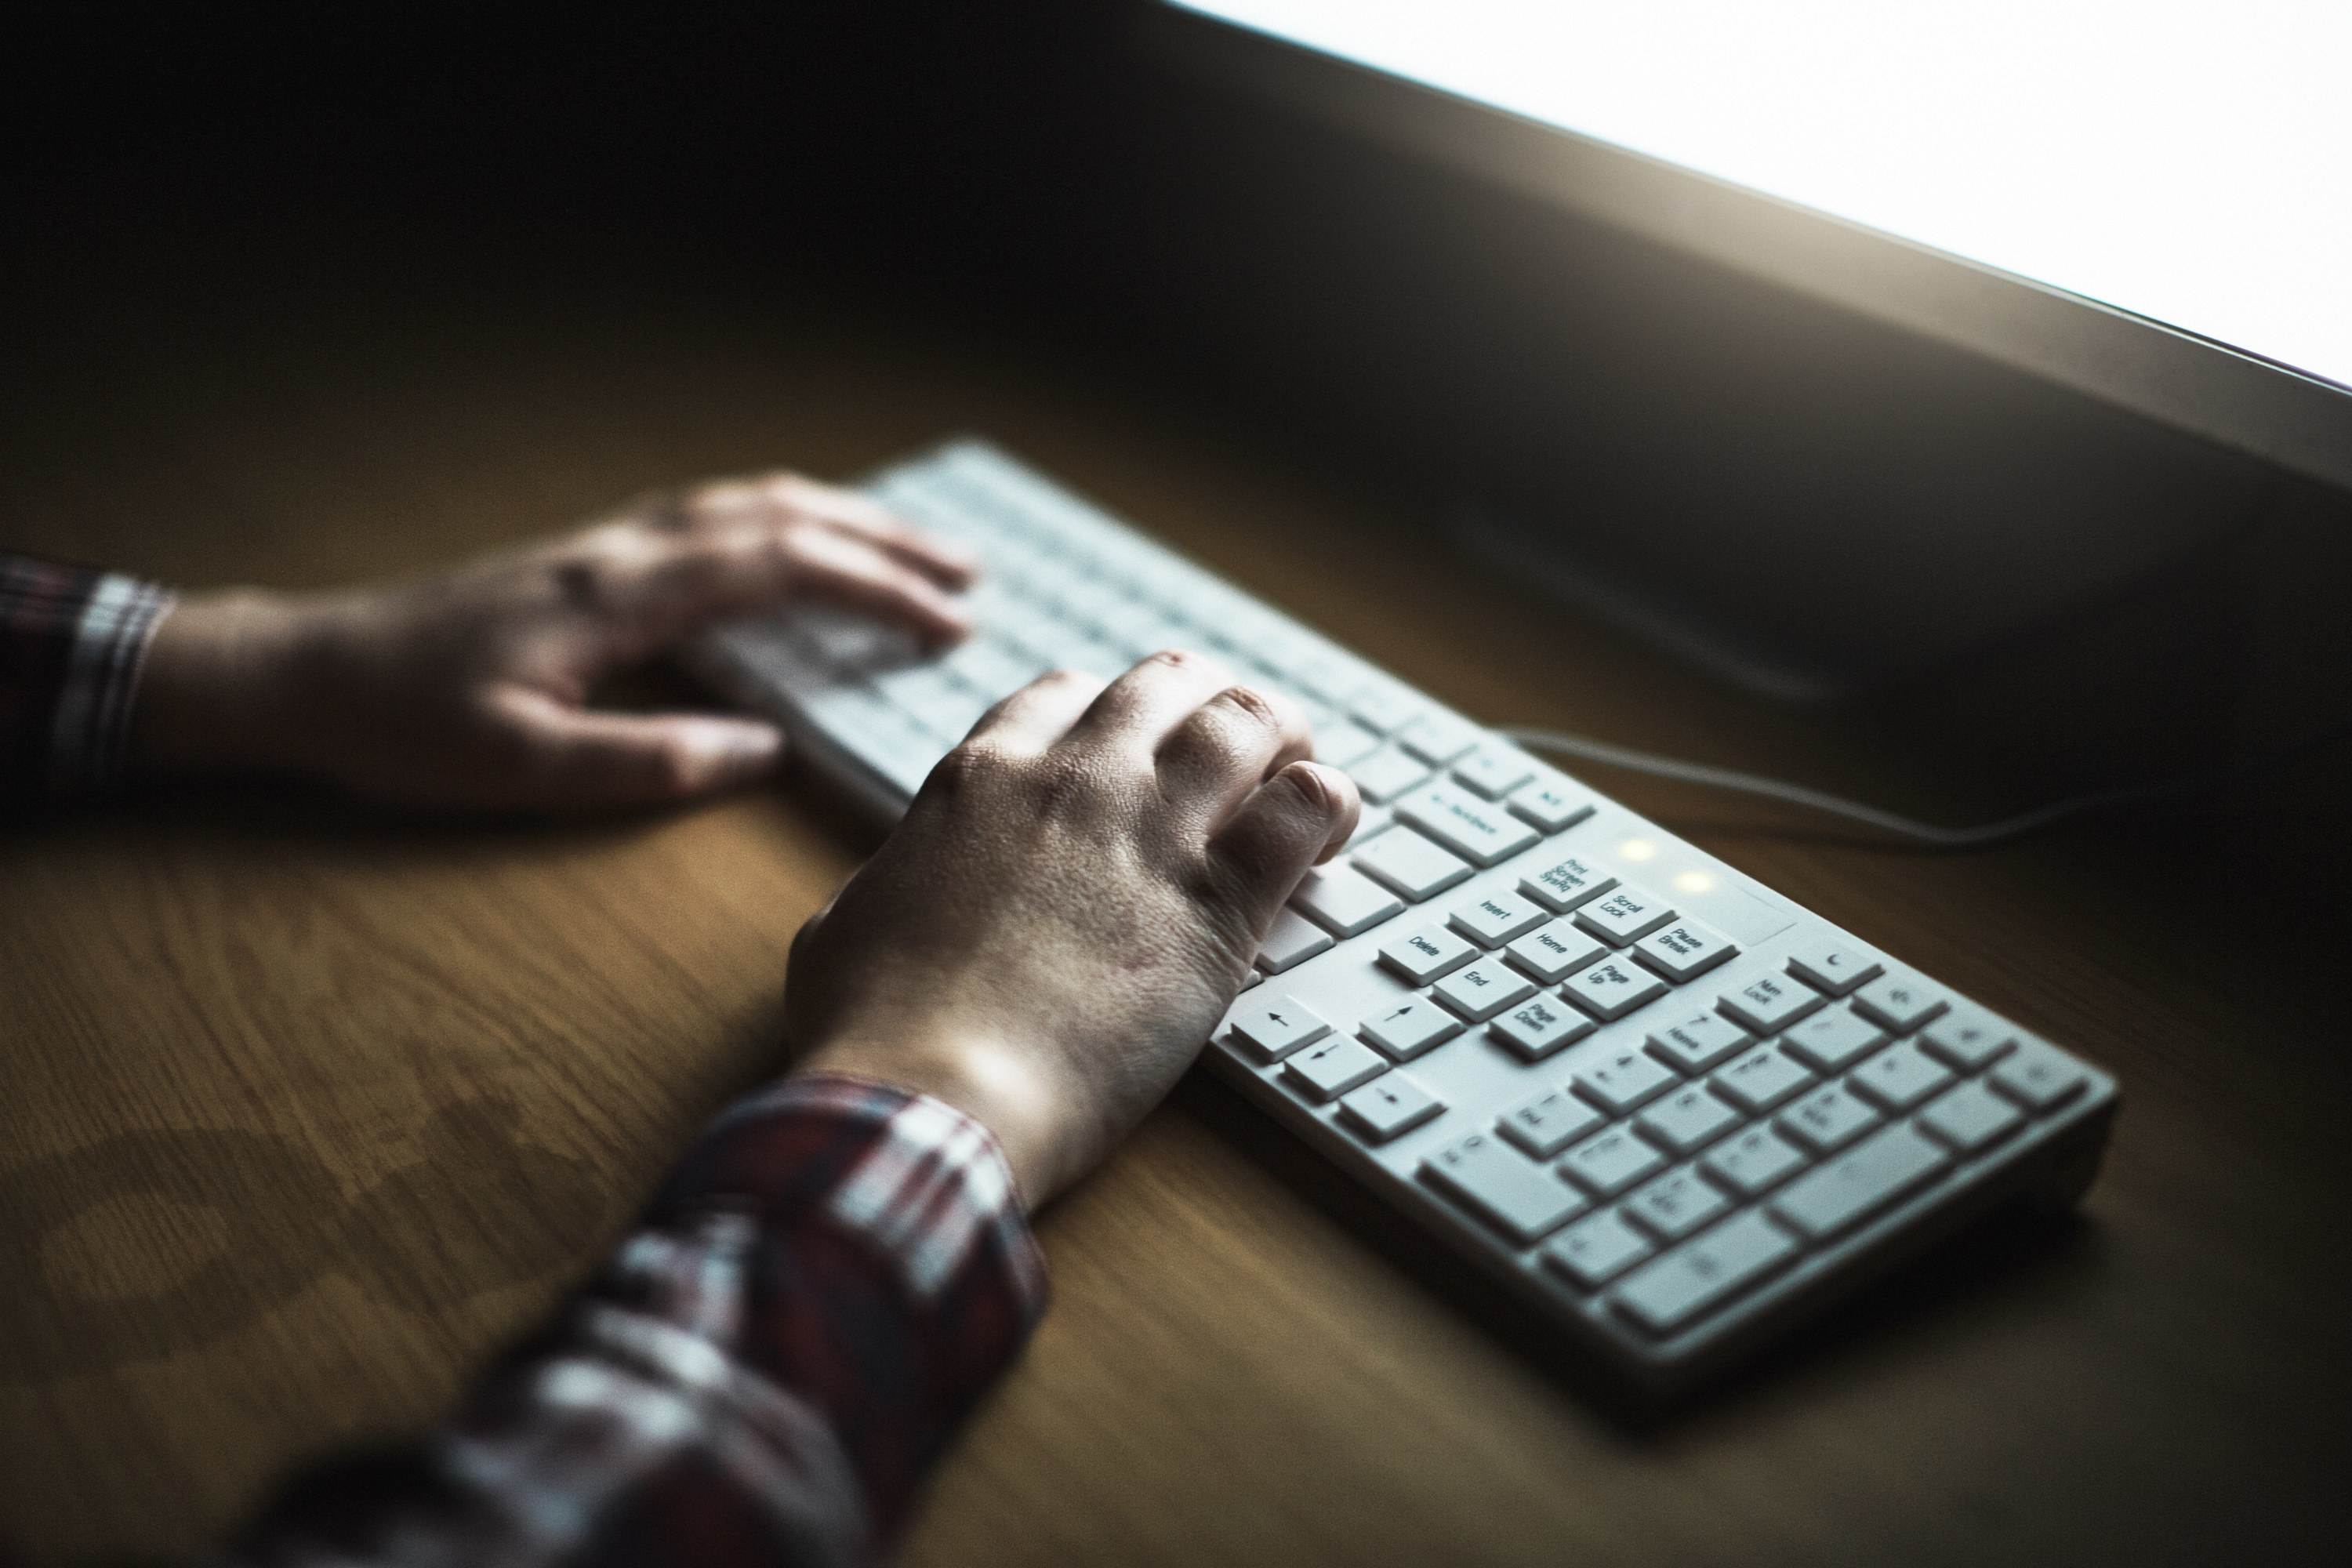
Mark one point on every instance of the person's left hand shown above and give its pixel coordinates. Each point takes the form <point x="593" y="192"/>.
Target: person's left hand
<point x="468" y="690"/>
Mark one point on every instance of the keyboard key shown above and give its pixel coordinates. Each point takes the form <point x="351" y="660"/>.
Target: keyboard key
<point x="1835" y="1040"/>
<point x="1687" y="1121"/>
<point x="1424" y="954"/>
<point x="1322" y="675"/>
<point x="1546" y="1125"/>
<point x="1680" y="950"/>
<point x="1762" y="1079"/>
<point x="1343" y="743"/>
<point x="1279" y="1025"/>
<point x="1619" y="1080"/>
<point x="1492" y="772"/>
<point x="1484" y="989"/>
<point x="1701" y="1275"/>
<point x="1611" y="990"/>
<point x="1827" y="1119"/>
<point x="1755" y="1162"/>
<point x="989" y="666"/>
<point x="1409" y="864"/>
<point x="1541" y="1027"/>
<point x="1611" y="1163"/>
<point x="1550" y="803"/>
<point x="1551" y="953"/>
<point x="1858" y="1183"/>
<point x="937" y="701"/>
<point x="1625" y="916"/>
<point x="1331" y="1069"/>
<point x="844" y="637"/>
<point x="1384" y="774"/>
<point x="1413" y="1025"/>
<point x="1768" y="1003"/>
<point x="1496" y="918"/>
<point x="1698" y="1043"/>
<point x="1438" y="738"/>
<point x="1566" y="883"/>
<point x="1389" y="1106"/>
<point x="1968" y="1036"/>
<point x="1900" y="1077"/>
<point x="1480" y="832"/>
<point x="902" y="750"/>
<point x="1384" y="708"/>
<point x="1523" y="1200"/>
<point x="1972" y="1118"/>
<point x="1344" y="901"/>
<point x="1901" y="1002"/>
<point x="1293" y="940"/>
<point x="2037" y="1077"/>
<point x="1834" y="969"/>
<point x="1593" y="1251"/>
<point x="1370" y="822"/>
<point x="1676" y="1204"/>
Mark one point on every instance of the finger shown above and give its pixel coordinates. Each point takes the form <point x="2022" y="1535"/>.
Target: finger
<point x="1218" y="754"/>
<point x="1030" y="720"/>
<point x="582" y="757"/>
<point x="656" y="585"/>
<point x="1297" y="819"/>
<point x="1137" y="711"/>
<point x="863" y="516"/>
<point x="856" y="573"/>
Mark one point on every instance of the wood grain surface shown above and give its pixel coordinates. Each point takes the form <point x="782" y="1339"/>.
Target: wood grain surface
<point x="309" y="1109"/>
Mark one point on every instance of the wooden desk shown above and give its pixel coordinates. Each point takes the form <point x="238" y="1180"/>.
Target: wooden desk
<point x="310" y="1110"/>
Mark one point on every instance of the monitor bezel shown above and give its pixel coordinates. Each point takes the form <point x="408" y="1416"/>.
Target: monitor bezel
<point x="2286" y="417"/>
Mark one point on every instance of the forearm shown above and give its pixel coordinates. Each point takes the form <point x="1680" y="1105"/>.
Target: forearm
<point x="217" y="692"/>
<point x="764" y="1372"/>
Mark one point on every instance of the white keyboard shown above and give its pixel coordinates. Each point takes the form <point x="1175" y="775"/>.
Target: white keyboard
<point x="1664" y="1104"/>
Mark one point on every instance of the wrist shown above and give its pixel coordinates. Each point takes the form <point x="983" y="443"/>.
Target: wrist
<point x="216" y="692"/>
<point x="997" y="1086"/>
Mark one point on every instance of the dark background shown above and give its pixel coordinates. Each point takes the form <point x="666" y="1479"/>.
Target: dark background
<point x="1027" y="166"/>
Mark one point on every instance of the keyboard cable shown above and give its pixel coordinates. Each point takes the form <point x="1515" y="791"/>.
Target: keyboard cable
<point x="1984" y="836"/>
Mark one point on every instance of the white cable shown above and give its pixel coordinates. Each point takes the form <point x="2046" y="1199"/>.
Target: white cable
<point x="1981" y="836"/>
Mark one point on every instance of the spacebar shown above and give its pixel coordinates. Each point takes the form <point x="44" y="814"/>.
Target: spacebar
<point x="1699" y="1274"/>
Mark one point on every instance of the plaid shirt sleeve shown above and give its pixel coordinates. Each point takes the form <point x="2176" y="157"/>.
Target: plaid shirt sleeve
<point x="71" y="643"/>
<point x="821" y="1293"/>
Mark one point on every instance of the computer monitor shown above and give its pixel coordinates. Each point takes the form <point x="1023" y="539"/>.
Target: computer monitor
<point x="2141" y="204"/>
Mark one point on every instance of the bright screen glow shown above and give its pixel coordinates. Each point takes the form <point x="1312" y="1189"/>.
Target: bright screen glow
<point x="2192" y="163"/>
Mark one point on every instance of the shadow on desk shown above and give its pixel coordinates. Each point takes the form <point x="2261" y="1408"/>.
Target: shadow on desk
<point x="277" y="1224"/>
<point x="381" y="1086"/>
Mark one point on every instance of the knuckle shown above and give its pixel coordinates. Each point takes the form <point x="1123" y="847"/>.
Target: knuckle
<point x="584" y="581"/>
<point x="672" y="513"/>
<point x="1062" y="784"/>
<point x="735" y="551"/>
<point x="1257" y="707"/>
<point x="701" y="501"/>
<point x="795" y="493"/>
<point x="972" y="764"/>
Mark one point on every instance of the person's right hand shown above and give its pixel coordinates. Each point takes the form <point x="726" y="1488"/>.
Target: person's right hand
<point x="1070" y="905"/>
